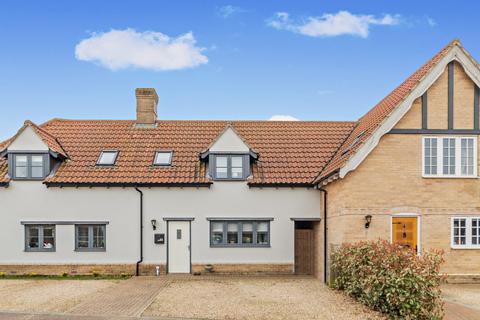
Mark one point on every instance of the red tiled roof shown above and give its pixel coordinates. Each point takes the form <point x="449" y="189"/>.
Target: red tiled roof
<point x="289" y="152"/>
<point x="3" y="167"/>
<point x="367" y="124"/>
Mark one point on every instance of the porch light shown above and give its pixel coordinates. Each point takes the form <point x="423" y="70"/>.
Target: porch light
<point x="368" y="219"/>
<point x="154" y="224"/>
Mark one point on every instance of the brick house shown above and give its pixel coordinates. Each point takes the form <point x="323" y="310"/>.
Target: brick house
<point x="248" y="196"/>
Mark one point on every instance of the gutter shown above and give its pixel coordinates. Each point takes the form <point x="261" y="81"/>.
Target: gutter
<point x="125" y="185"/>
<point x="325" y="249"/>
<point x="137" y="268"/>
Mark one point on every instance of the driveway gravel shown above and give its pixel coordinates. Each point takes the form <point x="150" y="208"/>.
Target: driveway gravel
<point x="255" y="298"/>
<point x="47" y="295"/>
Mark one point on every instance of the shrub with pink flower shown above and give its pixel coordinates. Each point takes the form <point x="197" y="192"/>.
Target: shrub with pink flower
<point x="390" y="278"/>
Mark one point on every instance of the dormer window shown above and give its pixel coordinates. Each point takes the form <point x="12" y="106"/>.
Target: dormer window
<point x="230" y="166"/>
<point x="163" y="158"/>
<point x="29" y="166"/>
<point x="107" y="158"/>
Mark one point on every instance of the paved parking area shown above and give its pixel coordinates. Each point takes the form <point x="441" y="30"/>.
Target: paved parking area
<point x="180" y="297"/>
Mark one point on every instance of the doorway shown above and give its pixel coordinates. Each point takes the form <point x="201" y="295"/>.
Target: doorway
<point x="304" y="247"/>
<point x="405" y="232"/>
<point x="178" y="247"/>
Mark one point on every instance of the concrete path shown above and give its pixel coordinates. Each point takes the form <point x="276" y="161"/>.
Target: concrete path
<point x="129" y="298"/>
<point x="455" y="311"/>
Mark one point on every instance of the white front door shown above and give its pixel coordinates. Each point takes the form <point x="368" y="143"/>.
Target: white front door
<point x="178" y="246"/>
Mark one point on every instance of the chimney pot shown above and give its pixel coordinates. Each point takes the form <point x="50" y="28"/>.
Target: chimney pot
<point x="147" y="101"/>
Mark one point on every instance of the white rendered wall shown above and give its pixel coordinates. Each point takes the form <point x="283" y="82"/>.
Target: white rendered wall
<point x="32" y="201"/>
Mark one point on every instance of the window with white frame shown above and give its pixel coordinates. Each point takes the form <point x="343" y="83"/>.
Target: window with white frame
<point x="465" y="232"/>
<point x="449" y="157"/>
<point x="247" y="233"/>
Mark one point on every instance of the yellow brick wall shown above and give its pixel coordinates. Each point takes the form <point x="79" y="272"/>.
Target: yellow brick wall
<point x="462" y="99"/>
<point x="437" y="101"/>
<point x="413" y="118"/>
<point x="389" y="181"/>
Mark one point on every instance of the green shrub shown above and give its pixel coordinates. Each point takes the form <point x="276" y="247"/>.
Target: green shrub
<point x="65" y="274"/>
<point x="3" y="274"/>
<point x="391" y="279"/>
<point x="95" y="273"/>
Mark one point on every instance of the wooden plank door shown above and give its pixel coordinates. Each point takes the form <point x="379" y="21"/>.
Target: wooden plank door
<point x="404" y="231"/>
<point x="304" y="251"/>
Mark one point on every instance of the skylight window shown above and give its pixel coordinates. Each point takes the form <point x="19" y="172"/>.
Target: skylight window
<point x="163" y="158"/>
<point x="107" y="158"/>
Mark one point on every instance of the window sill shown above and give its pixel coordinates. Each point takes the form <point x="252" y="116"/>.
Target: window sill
<point x="449" y="177"/>
<point x="465" y="247"/>
<point x="39" y="250"/>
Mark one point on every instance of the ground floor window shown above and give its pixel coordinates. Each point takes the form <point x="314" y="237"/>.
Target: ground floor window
<point x="465" y="232"/>
<point x="247" y="233"/>
<point x="39" y="237"/>
<point x="90" y="237"/>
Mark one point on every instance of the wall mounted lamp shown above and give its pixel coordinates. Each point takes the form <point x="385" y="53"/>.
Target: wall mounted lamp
<point x="154" y="224"/>
<point x="368" y="219"/>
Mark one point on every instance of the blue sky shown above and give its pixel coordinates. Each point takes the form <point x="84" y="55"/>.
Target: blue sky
<point x="312" y="60"/>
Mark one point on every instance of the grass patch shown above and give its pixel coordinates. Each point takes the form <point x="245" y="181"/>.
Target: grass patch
<point x="64" y="277"/>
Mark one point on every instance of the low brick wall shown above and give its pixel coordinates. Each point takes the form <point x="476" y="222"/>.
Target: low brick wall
<point x="72" y="269"/>
<point x="145" y="269"/>
<point x="245" y="268"/>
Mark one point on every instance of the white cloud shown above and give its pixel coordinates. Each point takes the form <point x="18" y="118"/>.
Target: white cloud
<point x="120" y="49"/>
<point x="331" y="25"/>
<point x="281" y="117"/>
<point x="228" y="10"/>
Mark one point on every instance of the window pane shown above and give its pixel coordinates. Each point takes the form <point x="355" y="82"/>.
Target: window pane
<point x="98" y="236"/>
<point x="237" y="173"/>
<point x="430" y="156"/>
<point x="221" y="161"/>
<point x="467" y="156"/>
<point x="107" y="157"/>
<point x="237" y="162"/>
<point x="48" y="237"/>
<point x="20" y="172"/>
<point x="459" y="231"/>
<point x="475" y="231"/>
<point x="448" y="156"/>
<point x="217" y="232"/>
<point x="37" y="172"/>
<point x="82" y="236"/>
<point x="247" y="233"/>
<point x="21" y="161"/>
<point x="163" y="158"/>
<point x="222" y="173"/>
<point x="37" y="161"/>
<point x="232" y="233"/>
<point x="32" y="237"/>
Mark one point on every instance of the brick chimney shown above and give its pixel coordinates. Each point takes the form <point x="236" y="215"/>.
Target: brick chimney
<point x="147" y="100"/>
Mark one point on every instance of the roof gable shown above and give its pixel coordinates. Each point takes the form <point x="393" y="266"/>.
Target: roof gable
<point x="229" y="141"/>
<point x="388" y="112"/>
<point x="31" y="137"/>
<point x="27" y="140"/>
